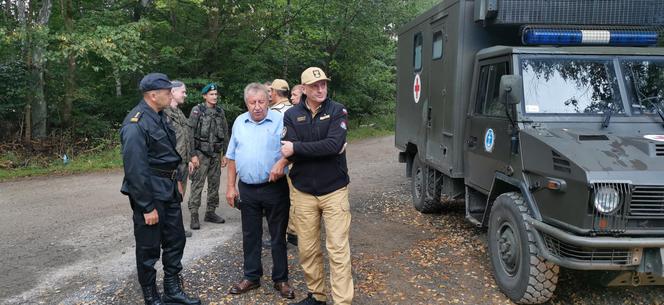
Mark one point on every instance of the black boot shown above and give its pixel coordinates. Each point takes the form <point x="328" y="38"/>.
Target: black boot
<point x="194" y="225"/>
<point x="173" y="293"/>
<point x="151" y="295"/>
<point x="211" y="216"/>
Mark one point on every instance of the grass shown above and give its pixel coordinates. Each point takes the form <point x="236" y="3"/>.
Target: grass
<point x="111" y="159"/>
<point x="107" y="159"/>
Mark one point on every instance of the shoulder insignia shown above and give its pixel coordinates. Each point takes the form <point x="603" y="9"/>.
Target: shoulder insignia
<point x="136" y="117"/>
<point x="301" y="118"/>
<point x="344" y="111"/>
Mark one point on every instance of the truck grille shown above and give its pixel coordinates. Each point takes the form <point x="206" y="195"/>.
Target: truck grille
<point x="589" y="255"/>
<point x="647" y="202"/>
<point x="659" y="150"/>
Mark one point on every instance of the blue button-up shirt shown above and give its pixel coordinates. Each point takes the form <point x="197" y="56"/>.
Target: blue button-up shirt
<point x="256" y="146"/>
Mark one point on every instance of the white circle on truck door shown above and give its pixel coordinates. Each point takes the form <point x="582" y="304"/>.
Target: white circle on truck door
<point x="655" y="137"/>
<point x="417" y="88"/>
<point x="489" y="140"/>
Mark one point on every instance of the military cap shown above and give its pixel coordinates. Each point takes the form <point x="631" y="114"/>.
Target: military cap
<point x="155" y="81"/>
<point x="209" y="87"/>
<point x="312" y="75"/>
<point x="279" y="84"/>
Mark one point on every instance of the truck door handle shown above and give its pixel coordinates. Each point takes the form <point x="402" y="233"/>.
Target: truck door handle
<point x="472" y="142"/>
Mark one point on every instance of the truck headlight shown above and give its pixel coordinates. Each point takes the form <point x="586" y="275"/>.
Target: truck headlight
<point x="606" y="200"/>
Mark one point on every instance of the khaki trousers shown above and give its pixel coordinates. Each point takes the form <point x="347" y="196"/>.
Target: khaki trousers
<point x="291" y="226"/>
<point x="334" y="209"/>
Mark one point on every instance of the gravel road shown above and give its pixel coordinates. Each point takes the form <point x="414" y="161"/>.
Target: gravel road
<point x="68" y="240"/>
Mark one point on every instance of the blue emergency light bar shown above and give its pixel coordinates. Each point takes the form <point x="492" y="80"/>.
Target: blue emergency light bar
<point x="570" y="37"/>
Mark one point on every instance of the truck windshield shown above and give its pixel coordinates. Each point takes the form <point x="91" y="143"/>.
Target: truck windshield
<point x="582" y="85"/>
<point x="645" y="78"/>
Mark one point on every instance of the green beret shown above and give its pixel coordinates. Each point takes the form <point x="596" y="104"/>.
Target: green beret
<point x="209" y="87"/>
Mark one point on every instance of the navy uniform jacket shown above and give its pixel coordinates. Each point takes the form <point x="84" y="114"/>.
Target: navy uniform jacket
<point x="148" y="145"/>
<point x="319" y="160"/>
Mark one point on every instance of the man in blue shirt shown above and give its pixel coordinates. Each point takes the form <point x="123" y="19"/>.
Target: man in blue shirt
<point x="254" y="154"/>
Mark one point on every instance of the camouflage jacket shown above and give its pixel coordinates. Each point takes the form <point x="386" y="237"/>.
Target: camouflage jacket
<point x="183" y="136"/>
<point x="210" y="131"/>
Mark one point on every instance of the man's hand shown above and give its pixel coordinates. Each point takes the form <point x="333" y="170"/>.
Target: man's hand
<point x="224" y="162"/>
<point x="180" y="188"/>
<point x="287" y="148"/>
<point x="277" y="171"/>
<point x="194" y="160"/>
<point x="151" y="218"/>
<point x="231" y="193"/>
<point x="191" y="168"/>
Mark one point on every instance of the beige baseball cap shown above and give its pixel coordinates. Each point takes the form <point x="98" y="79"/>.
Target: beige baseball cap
<point x="312" y="75"/>
<point x="279" y="84"/>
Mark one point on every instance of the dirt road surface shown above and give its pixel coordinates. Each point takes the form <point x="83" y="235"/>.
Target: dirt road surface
<point x="68" y="240"/>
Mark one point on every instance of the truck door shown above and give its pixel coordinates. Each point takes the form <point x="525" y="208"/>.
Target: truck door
<point x="437" y="94"/>
<point x="488" y="128"/>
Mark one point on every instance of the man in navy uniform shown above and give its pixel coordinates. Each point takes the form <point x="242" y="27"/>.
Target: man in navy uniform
<point x="150" y="163"/>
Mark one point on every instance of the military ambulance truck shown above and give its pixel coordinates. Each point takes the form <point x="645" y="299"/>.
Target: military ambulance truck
<point x="547" y="118"/>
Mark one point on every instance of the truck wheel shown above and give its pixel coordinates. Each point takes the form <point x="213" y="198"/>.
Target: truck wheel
<point x="521" y="274"/>
<point x="425" y="187"/>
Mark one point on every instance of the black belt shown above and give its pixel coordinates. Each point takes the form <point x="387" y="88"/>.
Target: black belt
<point x="170" y="174"/>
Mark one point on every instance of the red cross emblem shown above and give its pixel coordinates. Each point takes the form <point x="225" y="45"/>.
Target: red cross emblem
<point x="417" y="88"/>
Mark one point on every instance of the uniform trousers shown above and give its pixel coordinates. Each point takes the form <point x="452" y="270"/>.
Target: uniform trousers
<point x="271" y="200"/>
<point x="209" y="168"/>
<point x="334" y="210"/>
<point x="166" y="235"/>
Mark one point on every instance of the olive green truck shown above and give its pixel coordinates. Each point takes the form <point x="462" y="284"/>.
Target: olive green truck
<point x="547" y="118"/>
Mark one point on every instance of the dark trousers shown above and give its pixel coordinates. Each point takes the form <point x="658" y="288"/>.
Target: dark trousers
<point x="271" y="200"/>
<point x="168" y="235"/>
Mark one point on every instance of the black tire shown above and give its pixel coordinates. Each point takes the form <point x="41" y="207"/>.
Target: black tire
<point x="521" y="274"/>
<point x="425" y="199"/>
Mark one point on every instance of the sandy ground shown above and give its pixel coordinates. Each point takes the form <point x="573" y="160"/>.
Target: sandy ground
<point x="68" y="240"/>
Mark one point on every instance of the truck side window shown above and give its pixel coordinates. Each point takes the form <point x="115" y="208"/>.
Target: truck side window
<point x="488" y="103"/>
<point x="437" y="45"/>
<point x="417" y="52"/>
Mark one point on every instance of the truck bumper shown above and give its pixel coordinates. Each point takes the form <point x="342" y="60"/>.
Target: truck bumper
<point x="641" y="255"/>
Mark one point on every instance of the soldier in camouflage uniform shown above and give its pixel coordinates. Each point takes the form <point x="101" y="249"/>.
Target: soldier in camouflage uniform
<point x="176" y="118"/>
<point x="210" y="140"/>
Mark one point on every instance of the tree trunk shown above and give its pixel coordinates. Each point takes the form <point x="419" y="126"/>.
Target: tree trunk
<point x="70" y="77"/>
<point x="118" y="81"/>
<point x="21" y="6"/>
<point x="140" y="8"/>
<point x="39" y="109"/>
<point x="8" y="8"/>
<point x="286" y="39"/>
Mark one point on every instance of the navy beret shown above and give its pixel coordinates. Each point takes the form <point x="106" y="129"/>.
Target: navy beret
<point x="155" y="81"/>
<point x="209" y="87"/>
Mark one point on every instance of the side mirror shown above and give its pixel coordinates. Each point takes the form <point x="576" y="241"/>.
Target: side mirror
<point x="511" y="88"/>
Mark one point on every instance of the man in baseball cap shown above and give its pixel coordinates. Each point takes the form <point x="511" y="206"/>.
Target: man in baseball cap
<point x="315" y="142"/>
<point x="150" y="162"/>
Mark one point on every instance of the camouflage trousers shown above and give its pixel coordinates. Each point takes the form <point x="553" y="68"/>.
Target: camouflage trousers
<point x="209" y="168"/>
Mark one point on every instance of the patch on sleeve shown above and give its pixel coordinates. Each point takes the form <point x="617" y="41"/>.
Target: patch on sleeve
<point x="344" y="111"/>
<point x="343" y="125"/>
<point x="136" y="117"/>
<point x="283" y="132"/>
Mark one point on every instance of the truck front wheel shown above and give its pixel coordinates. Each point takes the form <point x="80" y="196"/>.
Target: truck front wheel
<point x="521" y="274"/>
<point x="425" y="187"/>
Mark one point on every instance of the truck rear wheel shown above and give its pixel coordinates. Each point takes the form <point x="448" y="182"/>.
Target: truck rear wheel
<point x="425" y="187"/>
<point x="521" y="274"/>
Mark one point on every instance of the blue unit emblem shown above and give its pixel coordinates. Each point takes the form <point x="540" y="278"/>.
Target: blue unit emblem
<point x="489" y="140"/>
